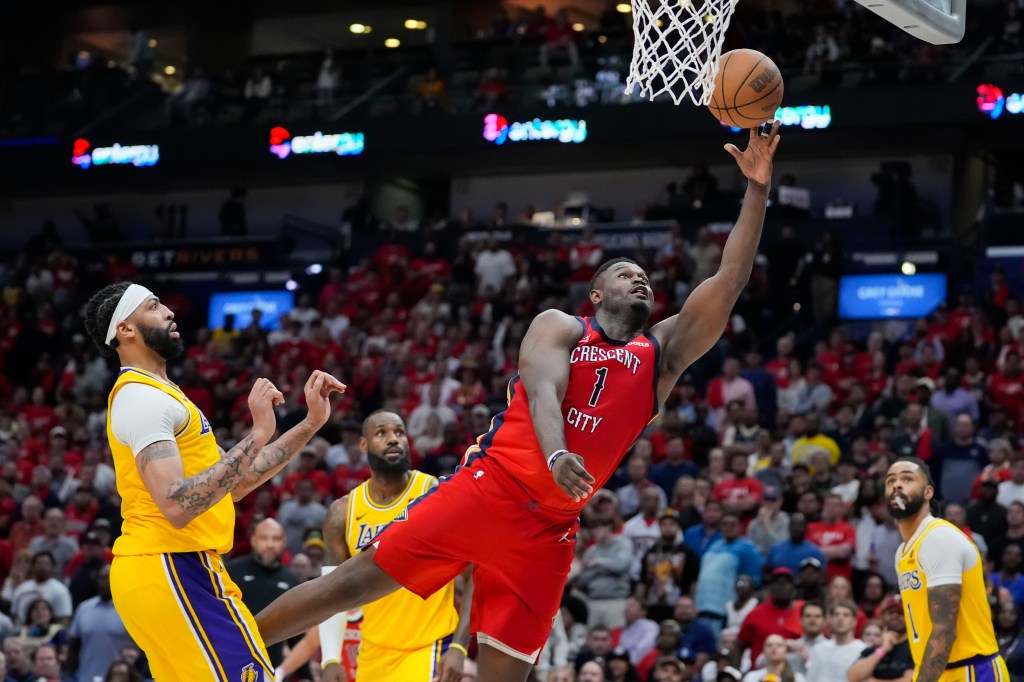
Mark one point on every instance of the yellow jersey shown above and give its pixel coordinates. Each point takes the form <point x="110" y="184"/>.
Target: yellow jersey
<point x="939" y="548"/>
<point x="401" y="620"/>
<point x="146" y="530"/>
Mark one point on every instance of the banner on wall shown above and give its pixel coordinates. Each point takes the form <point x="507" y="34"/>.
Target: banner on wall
<point x="85" y="155"/>
<point x="893" y="296"/>
<point x="271" y="304"/>
<point x="283" y="144"/>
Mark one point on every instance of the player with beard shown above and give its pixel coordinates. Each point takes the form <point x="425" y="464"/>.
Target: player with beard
<point x="178" y="489"/>
<point x="942" y="585"/>
<point x="587" y="388"/>
<point x="404" y="637"/>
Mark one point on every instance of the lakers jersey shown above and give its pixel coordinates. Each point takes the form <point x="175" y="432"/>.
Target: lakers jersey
<point x="609" y="400"/>
<point x="974" y="634"/>
<point x="146" y="530"/>
<point x="401" y="620"/>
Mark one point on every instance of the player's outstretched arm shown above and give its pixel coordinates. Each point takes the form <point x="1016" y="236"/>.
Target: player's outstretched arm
<point x="272" y="458"/>
<point x="544" y="371"/>
<point x="943" y="608"/>
<point x="699" y="325"/>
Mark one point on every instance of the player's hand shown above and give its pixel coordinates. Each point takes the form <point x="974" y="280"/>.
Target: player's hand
<point x="333" y="672"/>
<point x="318" y="391"/>
<point x="262" y="399"/>
<point x="756" y="160"/>
<point x="451" y="666"/>
<point x="572" y="477"/>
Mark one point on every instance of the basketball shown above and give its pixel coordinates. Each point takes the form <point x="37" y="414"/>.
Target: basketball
<point x="748" y="89"/>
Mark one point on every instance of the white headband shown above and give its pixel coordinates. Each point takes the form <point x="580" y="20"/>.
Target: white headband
<point x="131" y="299"/>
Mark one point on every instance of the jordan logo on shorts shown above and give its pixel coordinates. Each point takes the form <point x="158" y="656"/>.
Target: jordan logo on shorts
<point x="566" y="538"/>
<point x="478" y="474"/>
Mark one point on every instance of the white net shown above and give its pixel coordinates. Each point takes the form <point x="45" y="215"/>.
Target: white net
<point x="678" y="43"/>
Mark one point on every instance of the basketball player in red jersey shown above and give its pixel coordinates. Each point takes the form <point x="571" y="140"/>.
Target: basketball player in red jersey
<point x="586" y="390"/>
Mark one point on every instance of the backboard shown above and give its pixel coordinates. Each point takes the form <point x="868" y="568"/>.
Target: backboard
<point x="940" y="22"/>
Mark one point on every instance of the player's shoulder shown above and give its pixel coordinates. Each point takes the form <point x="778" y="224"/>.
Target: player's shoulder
<point x="943" y="540"/>
<point x="557" y="321"/>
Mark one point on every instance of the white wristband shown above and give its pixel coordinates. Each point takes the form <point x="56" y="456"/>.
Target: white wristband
<point x="332" y="631"/>
<point x="555" y="455"/>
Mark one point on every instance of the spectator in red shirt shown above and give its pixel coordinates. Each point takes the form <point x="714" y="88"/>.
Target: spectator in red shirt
<point x="777" y="615"/>
<point x="30" y="525"/>
<point x="837" y="539"/>
<point x="559" y="36"/>
<point x="779" y="367"/>
<point x="81" y="512"/>
<point x="998" y="468"/>
<point x="308" y="470"/>
<point x="739" y="493"/>
<point x="1006" y="387"/>
<point x="350" y="474"/>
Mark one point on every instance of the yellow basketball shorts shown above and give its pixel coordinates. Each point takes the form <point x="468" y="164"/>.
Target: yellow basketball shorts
<point x="185" y="612"/>
<point x="384" y="664"/>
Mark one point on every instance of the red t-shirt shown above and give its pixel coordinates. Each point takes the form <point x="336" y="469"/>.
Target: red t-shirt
<point x="830" y="535"/>
<point x="733" y="490"/>
<point x="768" y="619"/>
<point x="345" y="479"/>
<point x="1008" y="392"/>
<point x="320" y="481"/>
<point x="779" y="369"/>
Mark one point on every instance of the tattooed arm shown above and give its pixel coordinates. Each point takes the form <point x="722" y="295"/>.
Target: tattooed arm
<point x="272" y="458"/>
<point x="943" y="608"/>
<point x="182" y="498"/>
<point x="275" y="456"/>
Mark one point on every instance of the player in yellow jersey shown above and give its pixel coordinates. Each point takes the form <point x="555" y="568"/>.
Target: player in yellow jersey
<point x="404" y="638"/>
<point x="942" y="586"/>
<point x="169" y="585"/>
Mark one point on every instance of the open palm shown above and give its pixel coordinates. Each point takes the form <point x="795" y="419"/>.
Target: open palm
<point x="755" y="161"/>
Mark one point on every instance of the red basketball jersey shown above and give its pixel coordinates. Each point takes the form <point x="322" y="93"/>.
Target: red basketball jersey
<point x="610" y="398"/>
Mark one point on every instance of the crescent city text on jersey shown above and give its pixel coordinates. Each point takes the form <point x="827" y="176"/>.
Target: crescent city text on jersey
<point x="598" y="354"/>
<point x="579" y="419"/>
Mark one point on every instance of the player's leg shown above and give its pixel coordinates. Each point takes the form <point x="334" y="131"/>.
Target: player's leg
<point x="385" y="664"/>
<point x="185" y="619"/>
<point x="498" y="666"/>
<point x="356" y="582"/>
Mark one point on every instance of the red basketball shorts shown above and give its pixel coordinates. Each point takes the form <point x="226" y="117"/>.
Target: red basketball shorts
<point x="521" y="554"/>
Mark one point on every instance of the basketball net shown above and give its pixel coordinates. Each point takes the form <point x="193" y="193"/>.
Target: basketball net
<point x="678" y="43"/>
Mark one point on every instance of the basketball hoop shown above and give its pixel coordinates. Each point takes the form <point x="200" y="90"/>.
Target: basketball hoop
<point x="940" y="22"/>
<point x="678" y="43"/>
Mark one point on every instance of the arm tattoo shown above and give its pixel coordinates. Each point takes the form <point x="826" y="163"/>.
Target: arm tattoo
<point x="162" y="449"/>
<point x="266" y="462"/>
<point x="944" y="608"/>
<point x="197" y="493"/>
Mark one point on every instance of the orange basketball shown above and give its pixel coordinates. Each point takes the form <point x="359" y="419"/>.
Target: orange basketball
<point x="748" y="89"/>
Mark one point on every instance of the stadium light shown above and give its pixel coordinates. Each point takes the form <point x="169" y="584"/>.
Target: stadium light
<point x="360" y="28"/>
<point x="578" y="27"/>
<point x="169" y="70"/>
<point x="908" y="268"/>
<point x="415" y="24"/>
<point x="291" y="285"/>
<point x="392" y="42"/>
<point x="624" y="8"/>
<point x="152" y="42"/>
<point x="314" y="269"/>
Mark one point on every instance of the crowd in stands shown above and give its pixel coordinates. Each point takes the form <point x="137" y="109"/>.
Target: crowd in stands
<point x="524" y="57"/>
<point x="744" y="535"/>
